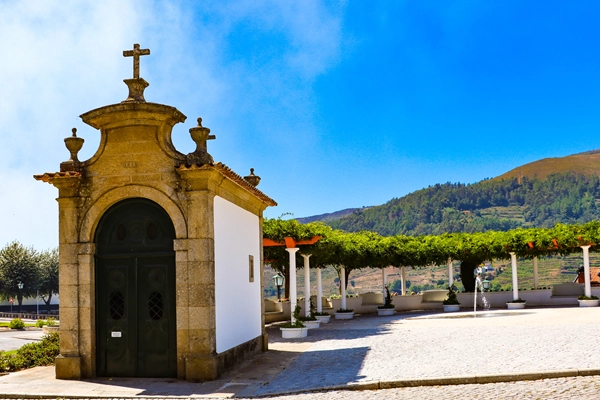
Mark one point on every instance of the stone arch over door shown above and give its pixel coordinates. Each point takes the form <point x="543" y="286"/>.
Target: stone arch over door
<point x="91" y="218"/>
<point x="135" y="291"/>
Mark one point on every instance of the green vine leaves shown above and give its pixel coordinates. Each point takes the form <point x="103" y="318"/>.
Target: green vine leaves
<point x="355" y="250"/>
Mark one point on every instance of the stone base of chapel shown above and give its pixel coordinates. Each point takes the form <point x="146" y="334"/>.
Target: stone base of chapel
<point x="205" y="368"/>
<point x="68" y="367"/>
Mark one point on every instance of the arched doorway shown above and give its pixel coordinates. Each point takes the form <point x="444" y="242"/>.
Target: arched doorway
<point x="135" y="291"/>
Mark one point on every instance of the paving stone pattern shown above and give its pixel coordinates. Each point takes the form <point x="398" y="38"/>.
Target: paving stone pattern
<point x="371" y="348"/>
<point x="582" y="388"/>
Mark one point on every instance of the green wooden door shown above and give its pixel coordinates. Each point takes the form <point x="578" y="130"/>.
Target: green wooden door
<point x="135" y="292"/>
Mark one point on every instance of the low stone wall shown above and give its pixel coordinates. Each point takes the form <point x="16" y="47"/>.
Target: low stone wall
<point x="13" y="315"/>
<point x="498" y="300"/>
<point x="568" y="289"/>
<point x="435" y="295"/>
<point x="372" y="298"/>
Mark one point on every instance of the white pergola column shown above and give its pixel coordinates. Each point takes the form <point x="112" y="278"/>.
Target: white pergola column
<point x="450" y="272"/>
<point x="319" y="292"/>
<point x="293" y="294"/>
<point x="306" y="284"/>
<point x="586" y="270"/>
<point x="535" y="272"/>
<point x="403" y="279"/>
<point x="384" y="280"/>
<point x="343" y="286"/>
<point x="515" y="281"/>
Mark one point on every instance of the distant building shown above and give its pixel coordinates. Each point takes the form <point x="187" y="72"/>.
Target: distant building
<point x="594" y="276"/>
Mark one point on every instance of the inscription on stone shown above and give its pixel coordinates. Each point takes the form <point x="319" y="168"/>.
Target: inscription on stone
<point x="130" y="164"/>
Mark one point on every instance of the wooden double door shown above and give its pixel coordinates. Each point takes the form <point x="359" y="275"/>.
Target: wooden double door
<point x="135" y="292"/>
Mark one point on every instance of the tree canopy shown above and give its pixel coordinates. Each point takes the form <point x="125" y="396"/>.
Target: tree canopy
<point x="355" y="250"/>
<point x="35" y="270"/>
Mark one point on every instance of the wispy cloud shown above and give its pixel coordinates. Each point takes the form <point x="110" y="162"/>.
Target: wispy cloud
<point x="61" y="59"/>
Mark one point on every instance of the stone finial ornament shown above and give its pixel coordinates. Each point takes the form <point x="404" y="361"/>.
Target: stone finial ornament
<point x="73" y="144"/>
<point x="136" y="85"/>
<point x="252" y="179"/>
<point x="200" y="135"/>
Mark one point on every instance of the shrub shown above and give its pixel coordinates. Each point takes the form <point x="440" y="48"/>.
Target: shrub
<point x="32" y="355"/>
<point x="40" y="323"/>
<point x="452" y="299"/>
<point x="51" y="321"/>
<point x="388" y="300"/>
<point x="16" y="323"/>
<point x="583" y="297"/>
<point x="298" y="323"/>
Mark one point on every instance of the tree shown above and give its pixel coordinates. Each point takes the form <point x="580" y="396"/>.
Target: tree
<point x="18" y="264"/>
<point x="48" y="275"/>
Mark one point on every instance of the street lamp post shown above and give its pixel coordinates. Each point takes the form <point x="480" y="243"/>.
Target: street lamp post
<point x="278" y="280"/>
<point x="485" y="284"/>
<point x="20" y="286"/>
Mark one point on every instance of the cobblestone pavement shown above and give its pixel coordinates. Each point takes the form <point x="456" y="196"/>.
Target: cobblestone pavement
<point x="581" y="388"/>
<point x="371" y="348"/>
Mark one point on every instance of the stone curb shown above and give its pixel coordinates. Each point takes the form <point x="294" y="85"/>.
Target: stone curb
<point x="444" y="381"/>
<point x="373" y="385"/>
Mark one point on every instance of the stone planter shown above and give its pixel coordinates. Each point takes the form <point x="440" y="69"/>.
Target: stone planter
<point x="344" y="315"/>
<point x="386" y="311"/>
<point x="49" y="329"/>
<point x="311" y="324"/>
<point x="515" y="306"/>
<point x="451" y="307"/>
<point x="588" y="303"/>
<point x="293" y="333"/>
<point x="324" y="319"/>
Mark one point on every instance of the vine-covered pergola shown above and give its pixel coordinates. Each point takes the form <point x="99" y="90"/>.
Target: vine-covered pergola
<point x="347" y="251"/>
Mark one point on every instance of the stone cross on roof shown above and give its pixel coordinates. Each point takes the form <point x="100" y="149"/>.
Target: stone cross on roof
<point x="136" y="53"/>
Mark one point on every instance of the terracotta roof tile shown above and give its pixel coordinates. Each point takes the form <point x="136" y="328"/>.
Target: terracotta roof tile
<point x="234" y="177"/>
<point x="48" y="176"/>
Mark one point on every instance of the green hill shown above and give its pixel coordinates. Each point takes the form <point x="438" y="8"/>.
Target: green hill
<point x="587" y="163"/>
<point x="538" y="194"/>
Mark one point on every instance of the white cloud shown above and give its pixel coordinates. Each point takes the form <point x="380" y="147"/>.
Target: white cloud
<point x="62" y="59"/>
<point x="58" y="54"/>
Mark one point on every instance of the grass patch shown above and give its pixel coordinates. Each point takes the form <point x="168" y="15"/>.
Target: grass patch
<point x="7" y="324"/>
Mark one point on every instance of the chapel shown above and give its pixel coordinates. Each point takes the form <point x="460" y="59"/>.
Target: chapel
<point x="161" y="262"/>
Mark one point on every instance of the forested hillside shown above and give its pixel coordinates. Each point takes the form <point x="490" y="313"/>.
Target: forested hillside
<point x="487" y="205"/>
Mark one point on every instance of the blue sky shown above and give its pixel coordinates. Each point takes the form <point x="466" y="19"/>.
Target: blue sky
<point x="335" y="104"/>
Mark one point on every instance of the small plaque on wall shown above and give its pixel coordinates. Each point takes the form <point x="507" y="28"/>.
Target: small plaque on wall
<point x="115" y="334"/>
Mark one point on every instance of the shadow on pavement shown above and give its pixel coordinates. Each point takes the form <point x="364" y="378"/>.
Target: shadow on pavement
<point x="318" y="369"/>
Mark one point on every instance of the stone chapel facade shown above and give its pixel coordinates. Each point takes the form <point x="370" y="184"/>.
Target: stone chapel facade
<point x="161" y="266"/>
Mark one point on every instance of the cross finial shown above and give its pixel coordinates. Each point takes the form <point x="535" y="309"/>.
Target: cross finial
<point x="136" y="53"/>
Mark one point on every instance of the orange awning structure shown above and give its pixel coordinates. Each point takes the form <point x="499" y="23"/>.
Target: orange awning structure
<point x="290" y="243"/>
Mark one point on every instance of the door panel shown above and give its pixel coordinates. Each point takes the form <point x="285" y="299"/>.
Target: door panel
<point x="116" y="314"/>
<point x="156" y="317"/>
<point x="135" y="292"/>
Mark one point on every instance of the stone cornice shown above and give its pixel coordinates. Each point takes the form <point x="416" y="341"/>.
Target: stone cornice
<point x="108" y="116"/>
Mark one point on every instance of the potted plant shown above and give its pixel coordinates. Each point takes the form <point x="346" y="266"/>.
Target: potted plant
<point x="387" y="308"/>
<point x="344" y="313"/>
<point x="295" y="329"/>
<point x="311" y="321"/>
<point x="517" y="304"/>
<point x="451" y="304"/>
<point x="585" y="301"/>
<point x="322" y="317"/>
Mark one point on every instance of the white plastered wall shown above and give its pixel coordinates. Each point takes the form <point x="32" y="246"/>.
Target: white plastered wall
<point x="237" y="300"/>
